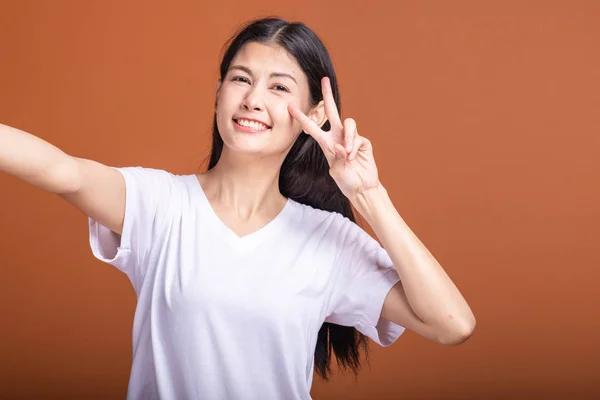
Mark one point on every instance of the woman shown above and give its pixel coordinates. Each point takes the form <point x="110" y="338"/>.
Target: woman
<point x="248" y="275"/>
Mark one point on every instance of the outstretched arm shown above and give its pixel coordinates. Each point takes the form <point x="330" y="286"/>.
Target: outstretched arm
<point x="95" y="189"/>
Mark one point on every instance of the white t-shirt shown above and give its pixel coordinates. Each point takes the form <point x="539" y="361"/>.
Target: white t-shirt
<point x="223" y="317"/>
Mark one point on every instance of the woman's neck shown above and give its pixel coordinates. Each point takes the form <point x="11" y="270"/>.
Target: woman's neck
<point x="245" y="185"/>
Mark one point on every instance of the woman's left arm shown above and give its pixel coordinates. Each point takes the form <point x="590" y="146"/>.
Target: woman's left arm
<point x="425" y="300"/>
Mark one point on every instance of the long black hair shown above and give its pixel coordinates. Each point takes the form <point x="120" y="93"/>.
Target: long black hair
<point x="304" y="175"/>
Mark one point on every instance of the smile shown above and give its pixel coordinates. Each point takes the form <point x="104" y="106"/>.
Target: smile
<point x="252" y="126"/>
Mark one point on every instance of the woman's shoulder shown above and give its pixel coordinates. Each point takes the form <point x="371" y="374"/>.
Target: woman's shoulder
<point x="159" y="182"/>
<point x="148" y="172"/>
<point x="332" y="221"/>
<point x="310" y="212"/>
<point x="161" y="173"/>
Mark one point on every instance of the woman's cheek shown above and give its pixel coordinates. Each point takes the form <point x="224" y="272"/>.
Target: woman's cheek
<point x="281" y="114"/>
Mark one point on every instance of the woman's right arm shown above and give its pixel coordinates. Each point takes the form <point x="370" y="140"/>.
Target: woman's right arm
<point x="95" y="189"/>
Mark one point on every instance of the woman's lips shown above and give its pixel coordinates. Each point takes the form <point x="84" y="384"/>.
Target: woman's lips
<point x="248" y="129"/>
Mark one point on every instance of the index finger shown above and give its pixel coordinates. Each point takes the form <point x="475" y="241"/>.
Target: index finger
<point x="307" y="124"/>
<point x="330" y="107"/>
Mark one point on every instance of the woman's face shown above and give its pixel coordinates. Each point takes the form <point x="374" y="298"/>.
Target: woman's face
<point x="253" y="98"/>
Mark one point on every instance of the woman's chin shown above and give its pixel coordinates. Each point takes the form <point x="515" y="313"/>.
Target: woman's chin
<point x="254" y="149"/>
<point x="243" y="146"/>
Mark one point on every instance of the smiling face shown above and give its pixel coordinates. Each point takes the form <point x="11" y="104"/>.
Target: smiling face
<point x="253" y="98"/>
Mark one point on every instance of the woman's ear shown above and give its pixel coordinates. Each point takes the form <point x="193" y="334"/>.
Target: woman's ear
<point x="317" y="114"/>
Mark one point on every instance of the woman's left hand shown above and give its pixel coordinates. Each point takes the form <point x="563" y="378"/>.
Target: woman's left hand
<point x="350" y="156"/>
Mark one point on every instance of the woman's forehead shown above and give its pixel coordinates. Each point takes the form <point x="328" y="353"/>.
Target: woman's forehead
<point x="266" y="58"/>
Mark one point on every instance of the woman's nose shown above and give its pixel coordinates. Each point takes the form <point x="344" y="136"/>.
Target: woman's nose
<point x="254" y="101"/>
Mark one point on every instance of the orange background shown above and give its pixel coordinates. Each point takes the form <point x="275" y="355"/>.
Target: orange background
<point x="485" y="120"/>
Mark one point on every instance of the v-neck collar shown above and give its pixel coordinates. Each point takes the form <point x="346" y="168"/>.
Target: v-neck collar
<point x="250" y="240"/>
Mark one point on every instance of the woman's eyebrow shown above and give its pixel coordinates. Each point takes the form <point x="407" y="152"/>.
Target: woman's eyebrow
<point x="274" y="74"/>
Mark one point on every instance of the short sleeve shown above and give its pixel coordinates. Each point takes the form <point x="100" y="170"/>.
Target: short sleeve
<point x="366" y="275"/>
<point x="147" y="196"/>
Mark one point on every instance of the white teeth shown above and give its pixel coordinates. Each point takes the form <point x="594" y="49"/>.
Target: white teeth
<point x="257" y="126"/>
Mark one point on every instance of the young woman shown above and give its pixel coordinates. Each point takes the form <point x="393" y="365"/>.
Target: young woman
<point x="250" y="274"/>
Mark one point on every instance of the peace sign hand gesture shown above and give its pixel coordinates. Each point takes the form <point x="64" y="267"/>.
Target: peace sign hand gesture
<point x="350" y="156"/>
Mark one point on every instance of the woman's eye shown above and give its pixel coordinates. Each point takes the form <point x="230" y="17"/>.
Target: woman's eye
<point x="281" y="88"/>
<point x="240" y="79"/>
